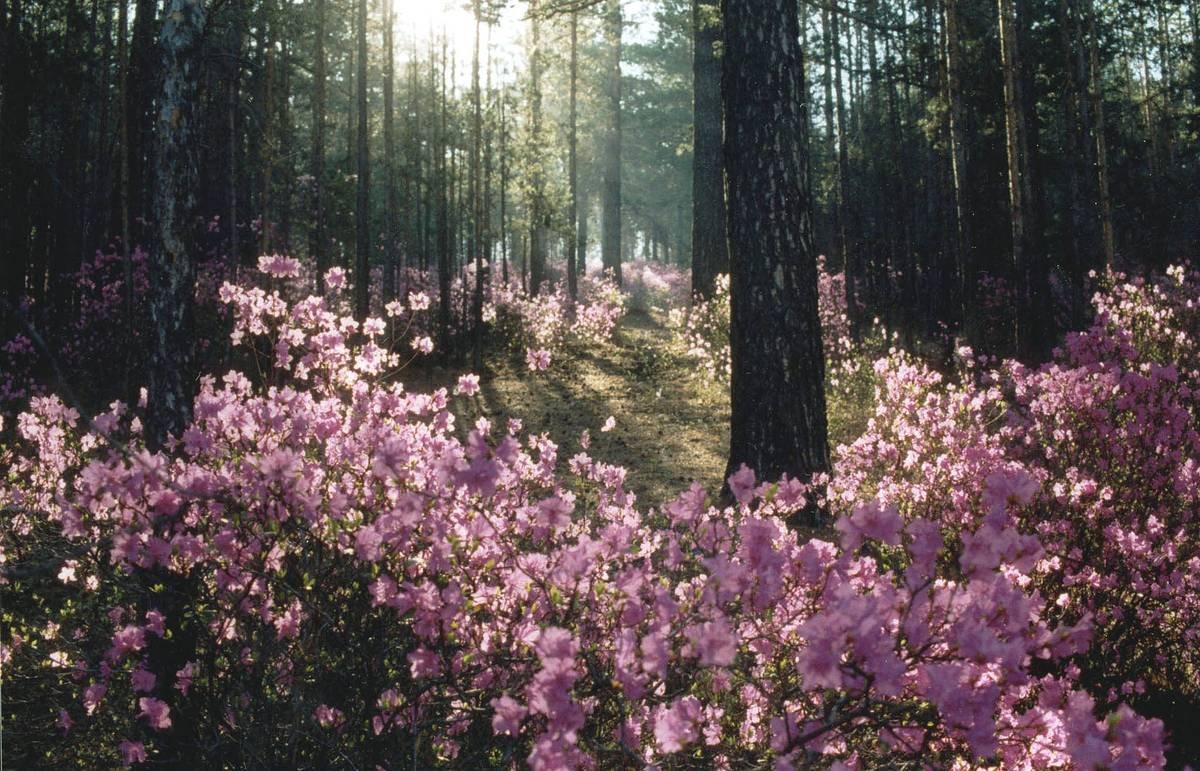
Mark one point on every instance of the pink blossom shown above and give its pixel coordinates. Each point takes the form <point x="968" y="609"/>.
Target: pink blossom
<point x="156" y="712"/>
<point x="538" y="360"/>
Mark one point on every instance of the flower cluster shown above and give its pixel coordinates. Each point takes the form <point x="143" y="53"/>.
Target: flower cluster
<point x="550" y="321"/>
<point x="320" y="571"/>
<point x="656" y="286"/>
<point x="1101" y="449"/>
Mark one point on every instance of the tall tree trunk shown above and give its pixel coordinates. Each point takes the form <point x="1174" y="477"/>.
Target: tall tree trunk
<point x="443" y="222"/>
<point x="956" y="122"/>
<point x="849" y="254"/>
<point x="143" y="87"/>
<point x="504" y="186"/>
<point x="123" y="173"/>
<point x="1017" y="153"/>
<point x="172" y="272"/>
<point x="476" y="253"/>
<point x="610" y="241"/>
<point x="537" y="204"/>
<point x="573" y="162"/>
<point x="362" y="212"/>
<point x="267" y="179"/>
<point x="1096" y="97"/>
<point x="232" y="136"/>
<point x="710" y="244"/>
<point x="777" y="390"/>
<point x="582" y="245"/>
<point x="317" y="246"/>
<point x="392" y="206"/>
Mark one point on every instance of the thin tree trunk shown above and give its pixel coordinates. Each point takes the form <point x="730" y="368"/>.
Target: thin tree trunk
<point x="443" y="223"/>
<point x="317" y="245"/>
<point x="777" y="396"/>
<point x="537" y="204"/>
<point x="610" y="241"/>
<point x="573" y="162"/>
<point x="392" y="206"/>
<point x="710" y="244"/>
<point x="956" y="116"/>
<point x="362" y="213"/>
<point x="1029" y="323"/>
<point x="477" y="201"/>
<point x="266" y="223"/>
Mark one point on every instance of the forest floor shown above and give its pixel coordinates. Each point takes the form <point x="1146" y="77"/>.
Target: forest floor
<point x="671" y="424"/>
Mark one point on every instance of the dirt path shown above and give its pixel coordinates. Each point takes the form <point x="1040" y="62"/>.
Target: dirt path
<point x="670" y="425"/>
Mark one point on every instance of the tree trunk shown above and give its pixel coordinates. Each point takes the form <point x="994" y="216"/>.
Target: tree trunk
<point x="443" y="223"/>
<point x="362" y="213"/>
<point x="392" y="206"/>
<point x="143" y="86"/>
<point x="573" y="162"/>
<point x="537" y="203"/>
<point x="710" y="244"/>
<point x="956" y="121"/>
<point x="172" y="272"/>
<point x="266" y="223"/>
<point x="1017" y="153"/>
<point x="777" y="390"/>
<point x="610" y="242"/>
<point x="232" y="138"/>
<point x="477" y="202"/>
<point x="317" y="246"/>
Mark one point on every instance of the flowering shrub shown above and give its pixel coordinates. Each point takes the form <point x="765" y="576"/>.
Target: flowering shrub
<point x="320" y="573"/>
<point x="702" y="331"/>
<point x="1105" y="438"/>
<point x="656" y="286"/>
<point x="549" y="321"/>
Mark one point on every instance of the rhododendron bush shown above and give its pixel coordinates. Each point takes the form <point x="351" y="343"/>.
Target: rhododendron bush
<point x="325" y="571"/>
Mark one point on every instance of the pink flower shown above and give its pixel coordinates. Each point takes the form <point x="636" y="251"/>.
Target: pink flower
<point x="279" y="266"/>
<point x="870" y="520"/>
<point x="424" y="663"/>
<point x="335" y="278"/>
<point x="741" y="484"/>
<point x="423" y="345"/>
<point x="418" y="301"/>
<point x="675" y="726"/>
<point x="609" y="424"/>
<point x="374" y="326"/>
<point x="538" y="360"/>
<point x="468" y="385"/>
<point x="184" y="677"/>
<point x="142" y="680"/>
<point x="508" y="716"/>
<point x="132" y="752"/>
<point x="327" y="716"/>
<point x="156" y="712"/>
<point x="714" y="641"/>
<point x="92" y="696"/>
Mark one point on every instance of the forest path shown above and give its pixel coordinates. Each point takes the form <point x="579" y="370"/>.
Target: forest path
<point x="671" y="425"/>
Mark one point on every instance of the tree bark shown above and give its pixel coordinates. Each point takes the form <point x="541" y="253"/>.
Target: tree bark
<point x="710" y="245"/>
<point x="610" y="240"/>
<point x="391" y="204"/>
<point x="777" y="389"/>
<point x="317" y="246"/>
<point x="956" y="130"/>
<point x="573" y="162"/>
<point x="172" y="272"/>
<point x="537" y="203"/>
<point x="362" y="213"/>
